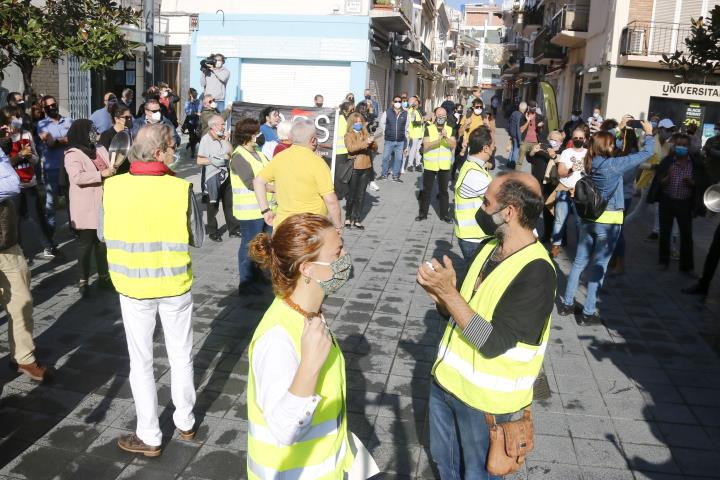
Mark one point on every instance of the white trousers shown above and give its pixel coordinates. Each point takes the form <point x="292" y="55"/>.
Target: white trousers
<point x="139" y="318"/>
<point x="413" y="157"/>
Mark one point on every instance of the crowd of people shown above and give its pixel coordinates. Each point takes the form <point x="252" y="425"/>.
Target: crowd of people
<point x="138" y="220"/>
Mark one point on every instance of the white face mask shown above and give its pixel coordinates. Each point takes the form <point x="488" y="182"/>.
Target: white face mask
<point x="218" y="64"/>
<point x="155" y="117"/>
<point x="397" y="105"/>
<point x="554" y="144"/>
<point x="478" y="111"/>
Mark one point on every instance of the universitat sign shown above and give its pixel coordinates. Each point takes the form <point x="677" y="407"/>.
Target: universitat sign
<point x="685" y="90"/>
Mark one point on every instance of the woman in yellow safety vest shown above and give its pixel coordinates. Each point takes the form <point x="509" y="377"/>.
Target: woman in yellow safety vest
<point x="297" y="420"/>
<point x="245" y="164"/>
<point x="597" y="238"/>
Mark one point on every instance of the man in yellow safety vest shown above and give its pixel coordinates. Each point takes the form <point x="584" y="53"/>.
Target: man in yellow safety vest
<point x="149" y="220"/>
<point x="472" y="183"/>
<point x="439" y="145"/>
<point x="415" y="133"/>
<point x="499" y="323"/>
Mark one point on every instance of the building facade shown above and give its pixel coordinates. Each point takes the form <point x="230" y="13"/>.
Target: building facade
<point x="585" y="50"/>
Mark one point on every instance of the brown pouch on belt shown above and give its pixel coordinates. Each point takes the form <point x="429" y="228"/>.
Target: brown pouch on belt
<point x="510" y="443"/>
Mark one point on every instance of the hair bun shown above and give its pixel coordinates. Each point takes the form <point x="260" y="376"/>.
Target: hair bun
<point x="260" y="250"/>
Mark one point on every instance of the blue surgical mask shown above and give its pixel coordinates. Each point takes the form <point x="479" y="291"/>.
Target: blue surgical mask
<point x="573" y="118"/>
<point x="681" y="150"/>
<point x="619" y="143"/>
<point x="612" y="131"/>
<point x="653" y="124"/>
<point x="357" y="126"/>
<point x="405" y="104"/>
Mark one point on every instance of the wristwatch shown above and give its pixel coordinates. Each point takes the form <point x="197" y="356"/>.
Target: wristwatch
<point x="263" y="212"/>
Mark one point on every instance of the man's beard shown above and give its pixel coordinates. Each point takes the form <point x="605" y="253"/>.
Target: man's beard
<point x="500" y="235"/>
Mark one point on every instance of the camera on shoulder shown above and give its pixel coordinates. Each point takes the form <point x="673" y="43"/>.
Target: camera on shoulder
<point x="207" y="62"/>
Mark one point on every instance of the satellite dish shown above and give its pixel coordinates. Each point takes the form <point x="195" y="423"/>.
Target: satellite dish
<point x="119" y="149"/>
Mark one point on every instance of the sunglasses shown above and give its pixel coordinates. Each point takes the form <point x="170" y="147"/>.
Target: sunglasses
<point x="50" y="105"/>
<point x="152" y="111"/>
<point x="579" y="138"/>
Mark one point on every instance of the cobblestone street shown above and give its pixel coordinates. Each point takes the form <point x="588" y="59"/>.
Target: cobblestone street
<point x="636" y="398"/>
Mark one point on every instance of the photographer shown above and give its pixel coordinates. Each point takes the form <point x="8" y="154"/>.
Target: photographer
<point x="540" y="157"/>
<point x="215" y="78"/>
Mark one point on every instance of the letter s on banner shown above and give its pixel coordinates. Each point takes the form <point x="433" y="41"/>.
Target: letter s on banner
<point x="324" y="136"/>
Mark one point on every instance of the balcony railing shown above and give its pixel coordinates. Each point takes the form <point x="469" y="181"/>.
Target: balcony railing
<point x="574" y="18"/>
<point x="544" y="51"/>
<point x="653" y="38"/>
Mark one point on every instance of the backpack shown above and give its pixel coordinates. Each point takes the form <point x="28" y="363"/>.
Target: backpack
<point x="589" y="202"/>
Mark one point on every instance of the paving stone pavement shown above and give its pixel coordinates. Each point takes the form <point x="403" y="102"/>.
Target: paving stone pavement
<point x="636" y="398"/>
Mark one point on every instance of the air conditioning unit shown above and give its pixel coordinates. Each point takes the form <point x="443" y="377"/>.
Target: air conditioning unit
<point x="636" y="43"/>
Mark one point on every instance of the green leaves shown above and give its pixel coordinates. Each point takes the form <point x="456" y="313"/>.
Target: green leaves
<point x="88" y="29"/>
<point x="701" y="57"/>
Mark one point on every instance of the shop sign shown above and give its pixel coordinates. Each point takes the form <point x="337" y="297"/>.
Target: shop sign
<point x="694" y="113"/>
<point x="691" y="90"/>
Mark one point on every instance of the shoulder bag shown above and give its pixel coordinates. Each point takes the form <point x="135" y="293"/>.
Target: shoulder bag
<point x="510" y="443"/>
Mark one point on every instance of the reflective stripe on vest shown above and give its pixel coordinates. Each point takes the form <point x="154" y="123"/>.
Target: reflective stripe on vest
<point x="245" y="204"/>
<point x="340" y="148"/>
<point x="146" y="234"/>
<point x="614" y="217"/>
<point x="325" y="470"/>
<point x="503" y="384"/>
<point x="439" y="158"/>
<point x="466" y="227"/>
<point x="413" y="131"/>
<point x="322" y="452"/>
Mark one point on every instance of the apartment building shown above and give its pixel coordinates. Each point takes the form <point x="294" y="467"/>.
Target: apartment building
<point x="286" y="52"/>
<point x="606" y="54"/>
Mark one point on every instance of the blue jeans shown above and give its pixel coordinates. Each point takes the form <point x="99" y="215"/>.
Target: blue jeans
<point x="52" y="193"/>
<point x="563" y="207"/>
<point x="249" y="229"/>
<point x="468" y="249"/>
<point x="514" y="153"/>
<point x="391" y="148"/>
<point x="459" y="437"/>
<point x="596" y="241"/>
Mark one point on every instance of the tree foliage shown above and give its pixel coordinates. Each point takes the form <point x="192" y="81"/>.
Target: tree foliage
<point x="88" y="29"/>
<point x="701" y="58"/>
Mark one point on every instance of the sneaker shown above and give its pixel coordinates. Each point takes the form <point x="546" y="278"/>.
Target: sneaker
<point x="215" y="237"/>
<point x="374" y="186"/>
<point x="131" y="443"/>
<point x="397" y="180"/>
<point x="410" y="169"/>
<point x="380" y="178"/>
<point x="235" y="234"/>
<point x="586" y="320"/>
<point x="565" y="310"/>
<point x="652" y="237"/>
<point x="33" y="370"/>
<point x="696" y="289"/>
<point x="447" y="219"/>
<point x="419" y="168"/>
<point x="48" y="253"/>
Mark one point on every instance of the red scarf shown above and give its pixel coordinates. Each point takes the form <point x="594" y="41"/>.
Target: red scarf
<point x="150" y="168"/>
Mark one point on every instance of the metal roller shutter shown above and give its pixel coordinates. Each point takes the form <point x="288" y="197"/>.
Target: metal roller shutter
<point x="377" y="83"/>
<point x="293" y="83"/>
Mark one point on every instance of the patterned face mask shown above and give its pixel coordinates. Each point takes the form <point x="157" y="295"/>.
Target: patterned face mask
<point x="341" y="268"/>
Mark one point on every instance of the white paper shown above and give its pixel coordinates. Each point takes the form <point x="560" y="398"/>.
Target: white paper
<point x="364" y="466"/>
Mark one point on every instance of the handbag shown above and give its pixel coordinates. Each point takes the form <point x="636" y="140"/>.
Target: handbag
<point x="510" y="443"/>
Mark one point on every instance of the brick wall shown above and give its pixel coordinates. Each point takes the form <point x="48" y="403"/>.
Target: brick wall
<point x="640" y="10"/>
<point x="45" y="79"/>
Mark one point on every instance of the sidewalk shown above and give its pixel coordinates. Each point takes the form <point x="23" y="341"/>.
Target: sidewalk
<point x="634" y="400"/>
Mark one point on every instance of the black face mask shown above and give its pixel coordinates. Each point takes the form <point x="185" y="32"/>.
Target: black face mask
<point x="52" y="111"/>
<point x="486" y="222"/>
<point x="367" y="97"/>
<point x="260" y="140"/>
<point x="578" y="143"/>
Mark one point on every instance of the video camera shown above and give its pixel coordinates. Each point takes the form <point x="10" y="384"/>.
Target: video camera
<point x="207" y="62"/>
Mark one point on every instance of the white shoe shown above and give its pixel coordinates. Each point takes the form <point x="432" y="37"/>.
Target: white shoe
<point x="374" y="186"/>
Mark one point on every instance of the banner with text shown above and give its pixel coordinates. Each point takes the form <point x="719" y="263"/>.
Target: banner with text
<point x="323" y="118"/>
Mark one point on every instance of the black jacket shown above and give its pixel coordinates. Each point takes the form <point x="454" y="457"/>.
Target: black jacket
<point x="699" y="178"/>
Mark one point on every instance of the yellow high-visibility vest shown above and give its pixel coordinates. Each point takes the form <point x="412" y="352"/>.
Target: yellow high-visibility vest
<point x="414" y="132"/>
<point x="466" y="227"/>
<point x="340" y="148"/>
<point x="323" y="453"/>
<point x="503" y="384"/>
<point x="245" y="204"/>
<point x="147" y="237"/>
<point x="440" y="157"/>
